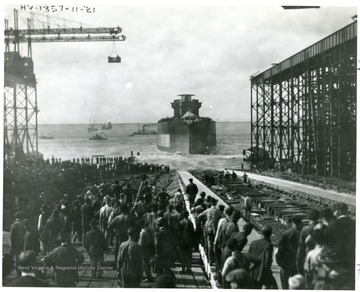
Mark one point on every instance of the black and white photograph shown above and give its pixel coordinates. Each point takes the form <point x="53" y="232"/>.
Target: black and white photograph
<point x="180" y="145"/>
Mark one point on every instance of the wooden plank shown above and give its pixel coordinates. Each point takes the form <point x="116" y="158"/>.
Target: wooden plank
<point x="179" y="279"/>
<point x="200" y="280"/>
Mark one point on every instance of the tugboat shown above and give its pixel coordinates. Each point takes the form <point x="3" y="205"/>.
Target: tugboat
<point x="186" y="131"/>
<point x="99" y="136"/>
<point x="145" y="130"/>
<point x="91" y="127"/>
<point x="107" y="126"/>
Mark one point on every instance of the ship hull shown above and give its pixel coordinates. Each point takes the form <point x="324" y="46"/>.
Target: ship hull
<point x="193" y="137"/>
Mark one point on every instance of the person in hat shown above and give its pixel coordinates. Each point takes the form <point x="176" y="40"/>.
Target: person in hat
<point x="248" y="206"/>
<point x="239" y="279"/>
<point x="96" y="246"/>
<point x="164" y="249"/>
<point x="28" y="278"/>
<point x="186" y="242"/>
<point x="191" y="190"/>
<point x="31" y="239"/>
<point x="303" y="246"/>
<point x="65" y="260"/>
<point x="87" y="214"/>
<point x="130" y="261"/>
<point x="211" y="216"/>
<point x="104" y="215"/>
<point x="52" y="230"/>
<point x="287" y="250"/>
<point x="17" y="235"/>
<point x="261" y="274"/>
<point x="43" y="217"/>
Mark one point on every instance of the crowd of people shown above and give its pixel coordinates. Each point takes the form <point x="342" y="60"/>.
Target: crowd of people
<point x="37" y="182"/>
<point x="149" y="231"/>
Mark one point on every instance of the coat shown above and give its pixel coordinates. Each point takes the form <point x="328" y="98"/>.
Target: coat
<point x="17" y="235"/>
<point x="65" y="259"/>
<point x="287" y="250"/>
<point x="31" y="241"/>
<point x="96" y="244"/>
<point x="87" y="214"/>
<point x="261" y="249"/>
<point x="130" y="264"/>
<point x="192" y="190"/>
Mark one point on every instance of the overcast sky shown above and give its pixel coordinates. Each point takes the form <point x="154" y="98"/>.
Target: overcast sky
<point x="209" y="51"/>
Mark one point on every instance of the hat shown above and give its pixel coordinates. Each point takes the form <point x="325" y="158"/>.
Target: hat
<point x="297" y="282"/>
<point x="93" y="222"/>
<point x="240" y="276"/>
<point x="44" y="207"/>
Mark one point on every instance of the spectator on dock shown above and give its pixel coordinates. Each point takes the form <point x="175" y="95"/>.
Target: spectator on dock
<point x="306" y="245"/>
<point x="104" y="215"/>
<point x="248" y="206"/>
<point x="65" y="259"/>
<point x="261" y="275"/>
<point x="52" y="231"/>
<point x="239" y="279"/>
<point x="234" y="176"/>
<point x="130" y="260"/>
<point x="87" y="214"/>
<point x="75" y="217"/>
<point x="43" y="217"/>
<point x="164" y="249"/>
<point x="232" y="259"/>
<point x="31" y="238"/>
<point x="241" y="237"/>
<point x="120" y="225"/>
<point x="17" y="235"/>
<point x="217" y="246"/>
<point x="191" y="190"/>
<point x="147" y="243"/>
<point x="201" y="200"/>
<point x="163" y="199"/>
<point x="211" y="216"/>
<point x="312" y="258"/>
<point x="287" y="251"/>
<point x="29" y="278"/>
<point x="186" y="242"/>
<point x="340" y="235"/>
<point x="179" y="198"/>
<point x="96" y="246"/>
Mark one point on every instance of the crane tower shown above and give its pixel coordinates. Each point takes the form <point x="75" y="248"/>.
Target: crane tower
<point x="20" y="93"/>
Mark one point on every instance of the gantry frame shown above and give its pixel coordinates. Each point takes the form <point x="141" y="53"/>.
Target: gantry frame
<point x="303" y="110"/>
<point x="20" y="85"/>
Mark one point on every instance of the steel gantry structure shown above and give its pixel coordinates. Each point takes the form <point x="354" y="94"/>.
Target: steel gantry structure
<point x="20" y="93"/>
<point x="303" y="110"/>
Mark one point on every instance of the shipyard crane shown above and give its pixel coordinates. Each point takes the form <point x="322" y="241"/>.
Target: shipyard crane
<point x="20" y="93"/>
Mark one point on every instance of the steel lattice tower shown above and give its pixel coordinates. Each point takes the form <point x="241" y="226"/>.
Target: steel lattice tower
<point x="303" y="110"/>
<point x="20" y="94"/>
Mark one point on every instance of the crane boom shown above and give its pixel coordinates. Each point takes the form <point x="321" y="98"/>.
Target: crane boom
<point x="48" y="39"/>
<point x="74" y="30"/>
<point x="56" y="35"/>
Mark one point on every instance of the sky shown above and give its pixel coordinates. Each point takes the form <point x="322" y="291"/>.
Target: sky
<point x="206" y="50"/>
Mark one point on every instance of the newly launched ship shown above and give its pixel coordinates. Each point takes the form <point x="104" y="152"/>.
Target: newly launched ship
<point x="186" y="131"/>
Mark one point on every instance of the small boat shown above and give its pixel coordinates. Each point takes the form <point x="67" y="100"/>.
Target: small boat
<point x="46" y="136"/>
<point x="98" y="136"/>
<point x="91" y="127"/>
<point x="145" y="131"/>
<point x="107" y="126"/>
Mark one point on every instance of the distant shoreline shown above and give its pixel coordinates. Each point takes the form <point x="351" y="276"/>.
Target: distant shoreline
<point x="71" y="124"/>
